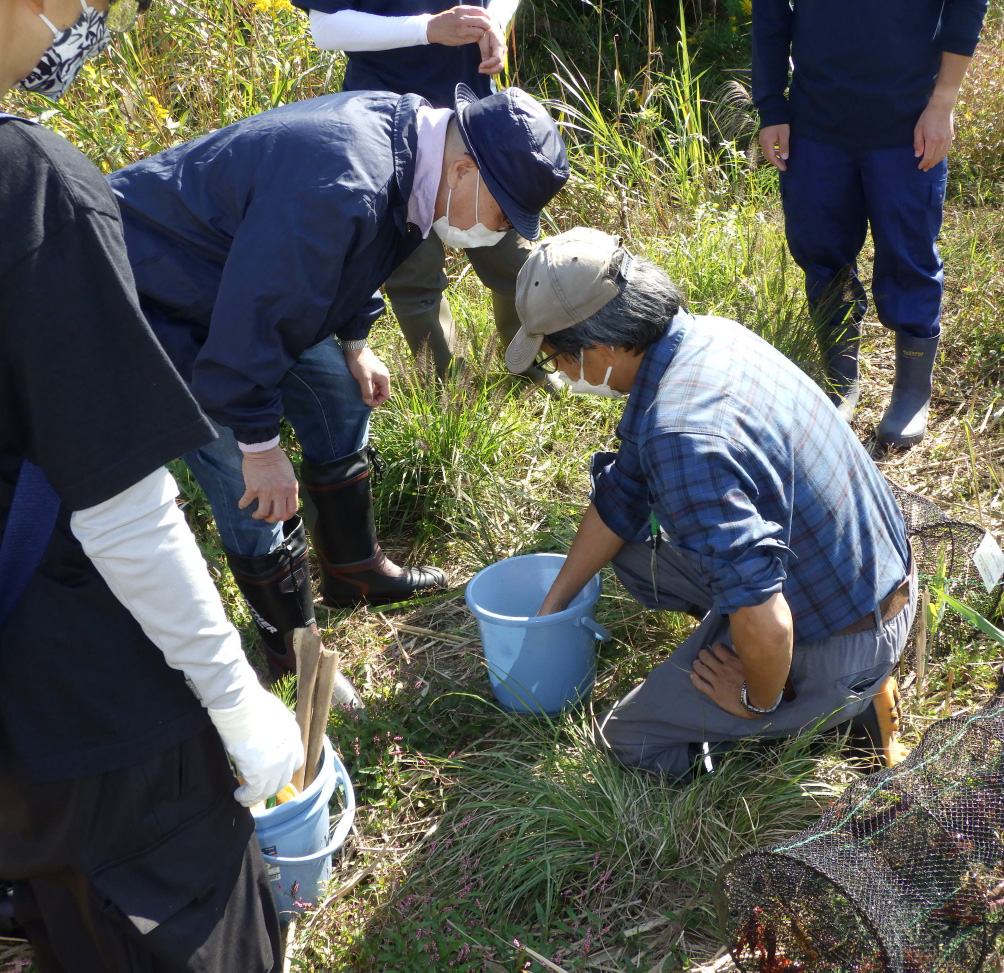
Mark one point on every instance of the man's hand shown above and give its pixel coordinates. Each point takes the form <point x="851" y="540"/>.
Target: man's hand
<point x="371" y="374"/>
<point x="269" y="479"/>
<point x="774" y="145"/>
<point x="932" y="135"/>
<point x="719" y="674"/>
<point x="492" y="45"/>
<point x="459" y="25"/>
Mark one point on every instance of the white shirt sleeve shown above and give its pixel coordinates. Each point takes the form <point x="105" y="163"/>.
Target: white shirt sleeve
<point x="140" y="544"/>
<point x="503" y="11"/>
<point x="353" y="30"/>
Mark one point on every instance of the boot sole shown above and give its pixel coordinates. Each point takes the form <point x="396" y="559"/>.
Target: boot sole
<point x="899" y="441"/>
<point x="378" y="599"/>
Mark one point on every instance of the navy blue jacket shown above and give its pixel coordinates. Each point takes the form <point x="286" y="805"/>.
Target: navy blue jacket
<point x="863" y="69"/>
<point x="253" y="243"/>
<point x="431" y="71"/>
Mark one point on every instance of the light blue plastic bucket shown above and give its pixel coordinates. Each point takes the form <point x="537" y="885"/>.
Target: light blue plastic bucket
<point x="536" y="665"/>
<point x="297" y="838"/>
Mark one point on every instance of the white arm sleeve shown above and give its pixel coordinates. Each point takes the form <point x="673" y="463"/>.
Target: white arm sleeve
<point x="140" y="544"/>
<point x="503" y="11"/>
<point x="353" y="30"/>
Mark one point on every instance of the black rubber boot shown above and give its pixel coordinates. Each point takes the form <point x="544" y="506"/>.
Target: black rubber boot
<point x="353" y="568"/>
<point x="905" y="421"/>
<point x="276" y="587"/>
<point x="839" y="347"/>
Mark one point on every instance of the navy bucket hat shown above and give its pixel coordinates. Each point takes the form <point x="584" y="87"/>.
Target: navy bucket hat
<point x="518" y="150"/>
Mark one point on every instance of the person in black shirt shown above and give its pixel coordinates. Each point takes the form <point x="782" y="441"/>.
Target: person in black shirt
<point x="123" y="685"/>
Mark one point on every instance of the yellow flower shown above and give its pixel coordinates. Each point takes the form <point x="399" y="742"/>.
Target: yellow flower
<point x="746" y="6"/>
<point x="271" y="7"/>
<point x="157" y="109"/>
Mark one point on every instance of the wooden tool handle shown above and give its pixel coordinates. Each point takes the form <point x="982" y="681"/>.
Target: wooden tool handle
<point x="307" y="648"/>
<point x="327" y="669"/>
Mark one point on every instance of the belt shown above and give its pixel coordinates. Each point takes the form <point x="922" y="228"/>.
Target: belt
<point x="890" y="606"/>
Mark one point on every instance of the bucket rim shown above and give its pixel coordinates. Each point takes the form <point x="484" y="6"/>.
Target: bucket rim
<point x="341" y="827"/>
<point x="272" y="817"/>
<point x="580" y="605"/>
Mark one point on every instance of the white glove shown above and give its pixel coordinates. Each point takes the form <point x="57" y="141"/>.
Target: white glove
<point x="263" y="738"/>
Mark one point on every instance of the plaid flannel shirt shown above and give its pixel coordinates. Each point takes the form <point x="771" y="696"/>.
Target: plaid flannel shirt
<point x="755" y="479"/>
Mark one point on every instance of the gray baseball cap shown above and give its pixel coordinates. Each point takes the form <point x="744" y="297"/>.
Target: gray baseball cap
<point x="566" y="279"/>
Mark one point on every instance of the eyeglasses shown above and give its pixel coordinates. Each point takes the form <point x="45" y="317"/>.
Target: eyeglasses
<point x="122" y="14"/>
<point x="546" y="365"/>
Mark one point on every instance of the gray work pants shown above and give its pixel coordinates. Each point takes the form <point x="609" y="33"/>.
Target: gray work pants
<point x="415" y="291"/>
<point x="657" y="725"/>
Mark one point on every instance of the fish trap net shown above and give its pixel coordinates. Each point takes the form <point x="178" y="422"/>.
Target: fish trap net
<point x="903" y="874"/>
<point x="943" y="549"/>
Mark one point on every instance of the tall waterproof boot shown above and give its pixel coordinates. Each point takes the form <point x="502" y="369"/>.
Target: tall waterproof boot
<point x="276" y="588"/>
<point x="353" y="568"/>
<point x="839" y="346"/>
<point x="905" y="421"/>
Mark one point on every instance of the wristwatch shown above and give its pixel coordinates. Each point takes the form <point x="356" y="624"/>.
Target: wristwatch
<point x="744" y="699"/>
<point x="355" y="344"/>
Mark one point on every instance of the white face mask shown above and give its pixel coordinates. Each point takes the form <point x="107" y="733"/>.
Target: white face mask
<point x="477" y="236"/>
<point x="65" y="56"/>
<point x="580" y="386"/>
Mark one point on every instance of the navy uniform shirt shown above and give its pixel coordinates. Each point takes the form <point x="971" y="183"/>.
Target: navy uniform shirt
<point x="863" y="69"/>
<point x="255" y="242"/>
<point x="755" y="479"/>
<point x="431" y="71"/>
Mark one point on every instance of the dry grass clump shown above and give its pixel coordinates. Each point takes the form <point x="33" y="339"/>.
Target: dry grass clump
<point x="979" y="140"/>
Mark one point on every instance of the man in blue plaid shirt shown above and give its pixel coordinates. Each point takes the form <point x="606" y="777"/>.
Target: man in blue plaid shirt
<point x="738" y="495"/>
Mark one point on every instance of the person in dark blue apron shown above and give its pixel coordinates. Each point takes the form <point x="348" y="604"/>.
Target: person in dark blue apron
<point x="124" y="833"/>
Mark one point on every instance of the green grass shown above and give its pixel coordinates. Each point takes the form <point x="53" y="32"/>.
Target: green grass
<point x="484" y="840"/>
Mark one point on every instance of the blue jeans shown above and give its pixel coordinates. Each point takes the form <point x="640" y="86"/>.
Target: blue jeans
<point x="831" y="196"/>
<point x="322" y="401"/>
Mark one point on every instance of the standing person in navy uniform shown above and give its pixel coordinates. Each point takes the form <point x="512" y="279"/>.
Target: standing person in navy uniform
<point x="122" y="685"/>
<point x="427" y="46"/>
<point x="861" y="140"/>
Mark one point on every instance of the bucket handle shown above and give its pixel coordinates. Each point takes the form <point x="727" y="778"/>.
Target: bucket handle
<point x="599" y="632"/>
<point x="340" y="831"/>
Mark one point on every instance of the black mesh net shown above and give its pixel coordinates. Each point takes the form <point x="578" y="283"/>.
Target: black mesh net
<point x="903" y="874"/>
<point x="943" y="548"/>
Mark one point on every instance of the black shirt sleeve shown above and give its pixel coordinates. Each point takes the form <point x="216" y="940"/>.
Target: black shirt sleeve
<point x="87" y="392"/>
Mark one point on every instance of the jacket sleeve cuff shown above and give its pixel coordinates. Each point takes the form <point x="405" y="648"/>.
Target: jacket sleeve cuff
<point x="965" y="46"/>
<point x="775" y="114"/>
<point x="259" y="447"/>
<point x="255" y="437"/>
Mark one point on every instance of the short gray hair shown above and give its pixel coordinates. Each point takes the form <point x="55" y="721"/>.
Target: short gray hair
<point x="635" y="319"/>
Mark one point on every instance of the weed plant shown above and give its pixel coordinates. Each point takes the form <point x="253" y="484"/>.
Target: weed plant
<point x="486" y="841"/>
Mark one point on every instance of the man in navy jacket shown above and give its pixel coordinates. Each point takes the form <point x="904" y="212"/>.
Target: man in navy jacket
<point x="257" y="251"/>
<point x="861" y="141"/>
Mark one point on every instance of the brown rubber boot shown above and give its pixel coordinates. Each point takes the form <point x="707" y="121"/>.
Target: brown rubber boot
<point x="874" y="731"/>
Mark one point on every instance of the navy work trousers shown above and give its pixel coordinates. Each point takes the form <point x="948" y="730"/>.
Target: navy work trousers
<point x="831" y="197"/>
